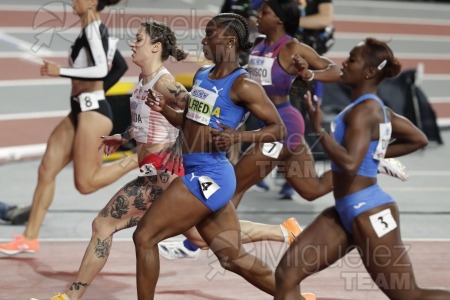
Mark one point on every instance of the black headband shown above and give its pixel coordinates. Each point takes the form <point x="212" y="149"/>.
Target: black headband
<point x="276" y="7"/>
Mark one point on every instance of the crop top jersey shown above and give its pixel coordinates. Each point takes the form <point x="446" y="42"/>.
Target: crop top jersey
<point x="377" y="148"/>
<point x="210" y="101"/>
<point x="92" y="53"/>
<point x="264" y="67"/>
<point x="149" y="126"/>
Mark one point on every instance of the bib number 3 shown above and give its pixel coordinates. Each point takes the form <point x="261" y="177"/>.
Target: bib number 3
<point x="208" y="186"/>
<point x="383" y="222"/>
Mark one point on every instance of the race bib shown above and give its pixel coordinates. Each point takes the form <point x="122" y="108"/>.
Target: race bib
<point x="147" y="170"/>
<point x="201" y="105"/>
<point x="88" y="101"/>
<point x="272" y="149"/>
<point x="208" y="186"/>
<point x="260" y="69"/>
<point x="383" y="141"/>
<point x="383" y="222"/>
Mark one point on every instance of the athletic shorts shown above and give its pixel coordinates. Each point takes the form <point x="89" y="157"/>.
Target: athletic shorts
<point x="151" y="163"/>
<point x="351" y="206"/>
<point x="103" y="106"/>
<point x="210" y="177"/>
<point x="294" y="122"/>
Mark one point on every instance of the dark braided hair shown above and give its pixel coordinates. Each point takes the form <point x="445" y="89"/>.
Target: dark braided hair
<point x="238" y="24"/>
<point x="375" y="53"/>
<point x="160" y="32"/>
<point x="102" y="3"/>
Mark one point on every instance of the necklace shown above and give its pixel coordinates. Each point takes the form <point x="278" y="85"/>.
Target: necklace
<point x="147" y="75"/>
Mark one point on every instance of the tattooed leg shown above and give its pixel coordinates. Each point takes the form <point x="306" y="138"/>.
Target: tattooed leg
<point x="124" y="210"/>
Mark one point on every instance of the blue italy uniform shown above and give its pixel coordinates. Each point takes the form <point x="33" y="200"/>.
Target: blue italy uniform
<point x="350" y="206"/>
<point x="210" y="176"/>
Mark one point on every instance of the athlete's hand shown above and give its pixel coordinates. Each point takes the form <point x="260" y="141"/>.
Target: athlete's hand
<point x="223" y="139"/>
<point x="314" y="112"/>
<point x="155" y="100"/>
<point x="172" y="157"/>
<point x="110" y="143"/>
<point x="50" y="68"/>
<point x="301" y="65"/>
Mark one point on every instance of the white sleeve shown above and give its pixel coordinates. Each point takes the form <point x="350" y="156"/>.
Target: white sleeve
<point x="100" y="68"/>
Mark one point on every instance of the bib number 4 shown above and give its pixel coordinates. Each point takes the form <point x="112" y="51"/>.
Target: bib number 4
<point x="208" y="186"/>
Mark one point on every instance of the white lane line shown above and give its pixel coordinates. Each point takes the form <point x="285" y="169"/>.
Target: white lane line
<point x="34" y="115"/>
<point x="21" y="152"/>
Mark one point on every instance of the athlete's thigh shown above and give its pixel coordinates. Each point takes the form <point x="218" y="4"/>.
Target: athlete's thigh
<point x="253" y="166"/>
<point x="175" y="211"/>
<point x="378" y="239"/>
<point x="299" y="162"/>
<point x="91" y="126"/>
<point x="221" y="232"/>
<point x="321" y="244"/>
<point x="59" y="146"/>
<point x="129" y="204"/>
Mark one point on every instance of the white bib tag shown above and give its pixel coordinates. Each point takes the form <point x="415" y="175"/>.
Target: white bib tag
<point x="383" y="141"/>
<point x="208" y="186"/>
<point x="383" y="222"/>
<point x="147" y="170"/>
<point x="201" y="105"/>
<point x="88" y="101"/>
<point x="260" y="69"/>
<point x="272" y="149"/>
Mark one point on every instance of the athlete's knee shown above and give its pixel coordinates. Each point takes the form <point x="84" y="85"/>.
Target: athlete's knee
<point x="288" y="277"/>
<point x="101" y="226"/>
<point x="46" y="172"/>
<point x="84" y="186"/>
<point x="142" y="238"/>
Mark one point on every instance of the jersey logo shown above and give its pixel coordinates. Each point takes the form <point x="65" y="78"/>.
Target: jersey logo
<point x="216" y="90"/>
<point x="193" y="176"/>
<point x="359" y="205"/>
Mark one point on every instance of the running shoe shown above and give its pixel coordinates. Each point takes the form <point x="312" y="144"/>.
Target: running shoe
<point x="175" y="250"/>
<point x="393" y="167"/>
<point x="306" y="296"/>
<point x="291" y="229"/>
<point x="286" y="192"/>
<point x="19" y="215"/>
<point x="60" y="297"/>
<point x="20" y="245"/>
<point x="261" y="186"/>
<point x="56" y="297"/>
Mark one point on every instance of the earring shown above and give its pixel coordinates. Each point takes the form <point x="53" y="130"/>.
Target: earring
<point x="367" y="77"/>
<point x="229" y="47"/>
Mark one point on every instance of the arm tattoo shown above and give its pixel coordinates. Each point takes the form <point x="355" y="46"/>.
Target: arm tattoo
<point x="177" y="90"/>
<point x="103" y="247"/>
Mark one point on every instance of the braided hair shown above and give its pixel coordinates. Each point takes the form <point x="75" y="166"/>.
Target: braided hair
<point x="161" y="33"/>
<point x="102" y="3"/>
<point x="237" y="24"/>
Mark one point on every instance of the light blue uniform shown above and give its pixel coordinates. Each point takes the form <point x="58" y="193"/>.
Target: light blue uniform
<point x="350" y="206"/>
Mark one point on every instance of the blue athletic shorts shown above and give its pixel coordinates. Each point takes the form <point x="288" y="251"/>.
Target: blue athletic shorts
<point x="351" y="206"/>
<point x="200" y="168"/>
